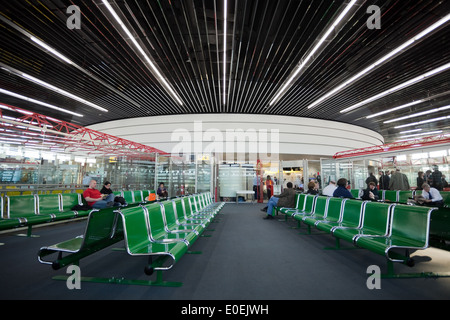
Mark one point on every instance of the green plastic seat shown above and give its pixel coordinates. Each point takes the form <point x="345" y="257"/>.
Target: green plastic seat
<point x="158" y="230"/>
<point x="128" y="196"/>
<point x="390" y="195"/>
<point x="404" y="195"/>
<point x="299" y="205"/>
<point x="24" y="208"/>
<point x="335" y="214"/>
<point x="356" y="193"/>
<point x="51" y="204"/>
<point x="137" y="195"/>
<point x="180" y="216"/>
<point x="69" y="200"/>
<point x="319" y="213"/>
<point x="139" y="240"/>
<point x="102" y="230"/>
<point x="189" y="215"/>
<point x="308" y="207"/>
<point x="375" y="223"/>
<point x="6" y="224"/>
<point x="409" y="229"/>
<point x="171" y="221"/>
<point x="352" y="211"/>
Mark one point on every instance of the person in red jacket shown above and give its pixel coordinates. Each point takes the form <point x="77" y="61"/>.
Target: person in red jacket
<point x="97" y="200"/>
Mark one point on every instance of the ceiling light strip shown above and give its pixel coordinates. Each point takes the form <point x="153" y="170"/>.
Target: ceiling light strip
<point x="366" y="71"/>
<point x="419" y="114"/>
<point x="313" y="51"/>
<point x="422" y="122"/>
<point x="12" y="94"/>
<point x="399" y="87"/>
<point x="225" y="9"/>
<point x="141" y="51"/>
<point x="63" y="92"/>
<point x="395" y="109"/>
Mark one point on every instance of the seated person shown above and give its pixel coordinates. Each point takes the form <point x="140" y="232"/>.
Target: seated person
<point x="106" y="188"/>
<point x="162" y="192"/>
<point x="431" y="196"/>
<point x="329" y="189"/>
<point x="95" y="199"/>
<point x="313" y="188"/>
<point x="342" y="191"/>
<point x="371" y="193"/>
<point x="285" y="199"/>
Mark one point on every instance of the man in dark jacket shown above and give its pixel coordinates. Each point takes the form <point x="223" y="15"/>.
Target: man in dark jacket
<point x="285" y="199"/>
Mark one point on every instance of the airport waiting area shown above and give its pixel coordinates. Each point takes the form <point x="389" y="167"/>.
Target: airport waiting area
<point x="224" y="157"/>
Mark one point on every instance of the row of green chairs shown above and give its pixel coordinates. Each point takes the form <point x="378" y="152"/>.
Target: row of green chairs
<point x="29" y="210"/>
<point x="391" y="230"/>
<point x="400" y="196"/>
<point x="163" y="230"/>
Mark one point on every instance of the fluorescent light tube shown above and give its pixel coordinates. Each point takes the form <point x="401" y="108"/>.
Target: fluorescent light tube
<point x="313" y="51"/>
<point x="383" y="59"/>
<point x="399" y="87"/>
<point x="142" y="52"/>
<point x="38" y="102"/>
<point x="48" y="48"/>
<point x="419" y="114"/>
<point x="422" y="122"/>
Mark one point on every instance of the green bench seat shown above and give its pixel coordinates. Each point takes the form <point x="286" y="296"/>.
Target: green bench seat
<point x="375" y="222"/>
<point x="158" y="230"/>
<point x="140" y="240"/>
<point x="103" y="228"/>
<point x="334" y="216"/>
<point x="24" y="208"/>
<point x="299" y="206"/>
<point x="408" y="230"/>
<point x="319" y="211"/>
<point x="390" y="195"/>
<point x="308" y="208"/>
<point x="347" y="213"/>
<point x="51" y="204"/>
<point x="171" y="222"/>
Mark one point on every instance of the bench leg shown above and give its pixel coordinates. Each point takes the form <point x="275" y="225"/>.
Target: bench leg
<point x="29" y="233"/>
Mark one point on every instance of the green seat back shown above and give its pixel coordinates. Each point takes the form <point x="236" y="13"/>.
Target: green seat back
<point x="48" y="203"/>
<point x="169" y="213"/>
<point x="138" y="196"/>
<point x="187" y="206"/>
<point x="309" y="203"/>
<point x="355" y="193"/>
<point x="134" y="221"/>
<point x="335" y="208"/>
<point x="101" y="226"/>
<point x="446" y="197"/>
<point x="404" y="195"/>
<point x="179" y="210"/>
<point x="376" y="218"/>
<point x="156" y="220"/>
<point x="128" y="196"/>
<point x="411" y="224"/>
<point x="145" y="194"/>
<point x="352" y="212"/>
<point x="390" y="195"/>
<point x="320" y="208"/>
<point x="21" y="206"/>
<point x="300" y="201"/>
<point x="69" y="200"/>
